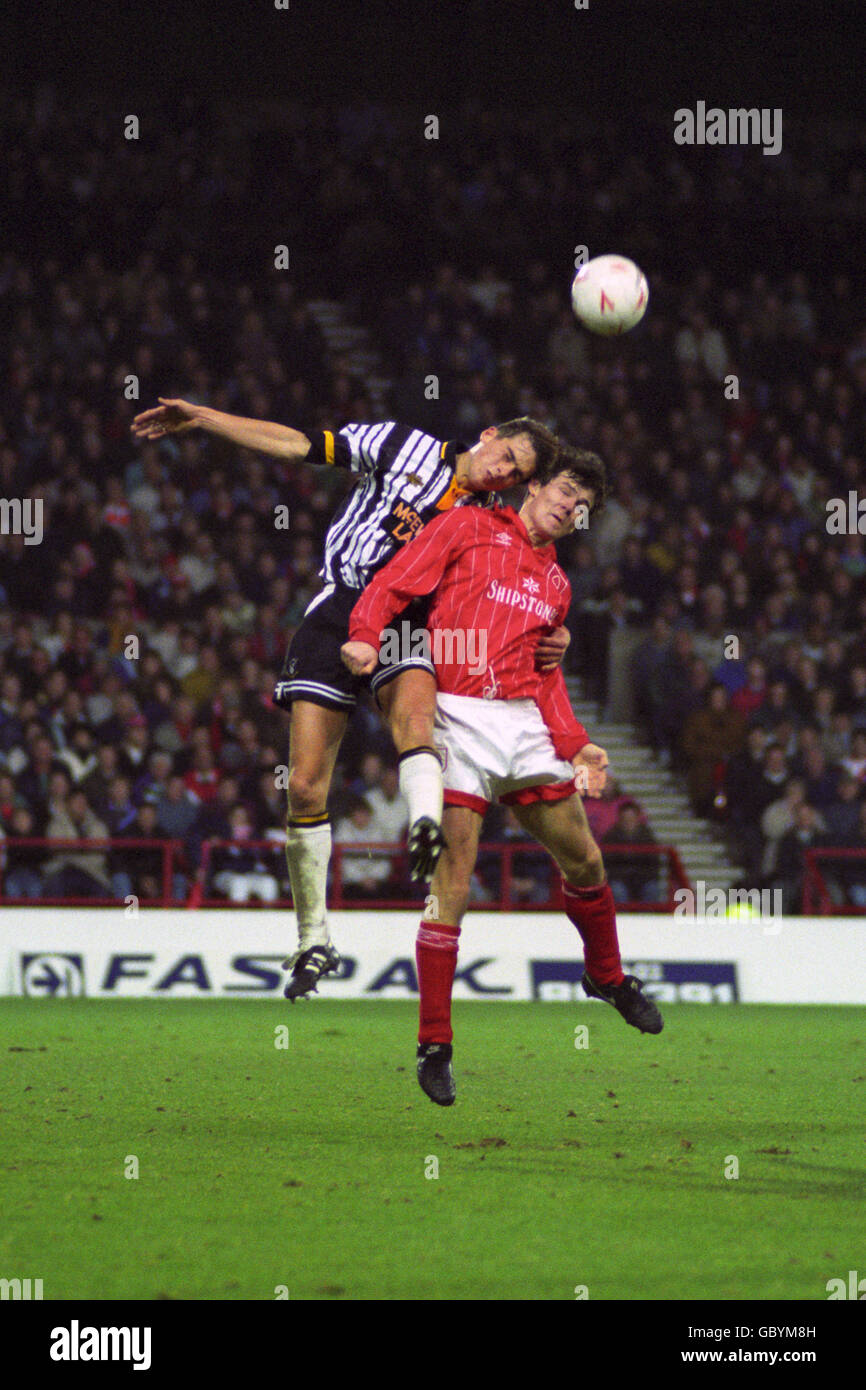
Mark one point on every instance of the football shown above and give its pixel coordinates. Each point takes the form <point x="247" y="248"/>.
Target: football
<point x="609" y="295"/>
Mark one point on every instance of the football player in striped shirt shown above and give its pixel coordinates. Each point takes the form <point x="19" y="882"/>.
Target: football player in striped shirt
<point x="405" y="478"/>
<point x="508" y="732"/>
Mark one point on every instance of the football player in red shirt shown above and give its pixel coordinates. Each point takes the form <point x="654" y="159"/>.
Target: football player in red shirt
<point x="506" y="731"/>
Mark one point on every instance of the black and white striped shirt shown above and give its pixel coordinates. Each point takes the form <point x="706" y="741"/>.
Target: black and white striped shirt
<point x="405" y="478"/>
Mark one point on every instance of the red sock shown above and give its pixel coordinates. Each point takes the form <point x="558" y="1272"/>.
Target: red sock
<point x="436" y="958"/>
<point x="593" y="913"/>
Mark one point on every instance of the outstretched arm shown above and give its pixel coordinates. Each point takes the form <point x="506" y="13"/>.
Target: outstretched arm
<point x="174" y="416"/>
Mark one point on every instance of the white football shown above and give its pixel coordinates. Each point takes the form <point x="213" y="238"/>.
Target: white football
<point x="609" y="295"/>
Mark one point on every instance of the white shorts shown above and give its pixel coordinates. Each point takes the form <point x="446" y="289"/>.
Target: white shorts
<point x="498" y="750"/>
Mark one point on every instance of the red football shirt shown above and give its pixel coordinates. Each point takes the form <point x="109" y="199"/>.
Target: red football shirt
<point x="495" y="594"/>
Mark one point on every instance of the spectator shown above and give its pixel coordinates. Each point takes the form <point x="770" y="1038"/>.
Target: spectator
<point x="709" y="738"/>
<point x="23" y="875"/>
<point x="240" y="870"/>
<point x="751" y="696"/>
<point x="806" y="833"/>
<point x="389" y="808"/>
<point x="633" y="878"/>
<point x="204" y="777"/>
<point x="603" y="811"/>
<point x="843" y="813"/>
<point x="820" y="779"/>
<point x="778" y="818"/>
<point x="855" y="764"/>
<point x="214" y="819"/>
<point x="119" y="811"/>
<point x="78" y="873"/>
<point x="153" y="783"/>
<point x="79" y="755"/>
<point x="365" y="875"/>
<point x="97" y="785"/>
<point x="177" y="810"/>
<point x="853" y="872"/>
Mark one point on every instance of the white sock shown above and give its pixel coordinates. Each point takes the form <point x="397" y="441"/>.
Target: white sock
<point x="421" y="784"/>
<point x="308" y="852"/>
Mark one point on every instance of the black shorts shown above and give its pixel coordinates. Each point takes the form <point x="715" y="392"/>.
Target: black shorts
<point x="313" y="669"/>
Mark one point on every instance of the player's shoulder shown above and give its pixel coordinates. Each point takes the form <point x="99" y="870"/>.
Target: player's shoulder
<point x="503" y="525"/>
<point x="472" y="516"/>
<point x="492" y="515"/>
<point x="394" y="445"/>
<point x="367" y="431"/>
<point x="394" y="431"/>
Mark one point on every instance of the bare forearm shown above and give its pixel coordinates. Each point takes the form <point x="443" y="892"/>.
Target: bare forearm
<point x="281" y="441"/>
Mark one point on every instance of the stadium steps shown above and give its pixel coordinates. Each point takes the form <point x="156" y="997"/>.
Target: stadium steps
<point x="352" y="342"/>
<point x="661" y="794"/>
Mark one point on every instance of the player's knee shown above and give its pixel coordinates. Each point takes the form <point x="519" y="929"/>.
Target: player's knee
<point x="584" y="864"/>
<point x="451" y="885"/>
<point x="452" y="903"/>
<point x="411" y="728"/>
<point x="307" y="792"/>
<point x="593" y="864"/>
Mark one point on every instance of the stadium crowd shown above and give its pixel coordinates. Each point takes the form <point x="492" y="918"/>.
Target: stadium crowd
<point x="728" y="420"/>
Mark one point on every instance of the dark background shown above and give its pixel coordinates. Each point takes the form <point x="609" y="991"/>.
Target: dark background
<point x="619" y="54"/>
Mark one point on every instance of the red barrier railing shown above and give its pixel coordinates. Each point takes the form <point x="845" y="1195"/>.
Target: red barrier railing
<point x="401" y="894"/>
<point x="818" y="899"/>
<point x="168" y="848"/>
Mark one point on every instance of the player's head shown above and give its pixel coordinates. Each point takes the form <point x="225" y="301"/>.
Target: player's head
<point x="508" y="455"/>
<point x="563" y="496"/>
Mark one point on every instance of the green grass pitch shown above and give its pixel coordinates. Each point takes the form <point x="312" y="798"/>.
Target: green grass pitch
<point x="305" y="1167"/>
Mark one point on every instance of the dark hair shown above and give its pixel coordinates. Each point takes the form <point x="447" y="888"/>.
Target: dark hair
<point x="581" y="465"/>
<point x="544" y="442"/>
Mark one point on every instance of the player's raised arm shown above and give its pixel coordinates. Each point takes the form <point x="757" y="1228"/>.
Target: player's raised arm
<point x="267" y="437"/>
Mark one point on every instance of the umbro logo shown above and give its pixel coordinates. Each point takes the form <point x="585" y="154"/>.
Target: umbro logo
<point x="532" y="585"/>
<point x="502" y="538"/>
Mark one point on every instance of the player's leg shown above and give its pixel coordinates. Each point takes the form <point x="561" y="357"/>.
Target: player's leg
<point x="408" y="702"/>
<point x="563" y="829"/>
<point x="320" y="694"/>
<point x="436" y="950"/>
<point x="315" y="735"/>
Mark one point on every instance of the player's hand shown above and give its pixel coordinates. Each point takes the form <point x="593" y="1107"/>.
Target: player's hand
<point x="360" y="658"/>
<point x="590" y="769"/>
<point x="551" y="648"/>
<point x="169" y="417"/>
